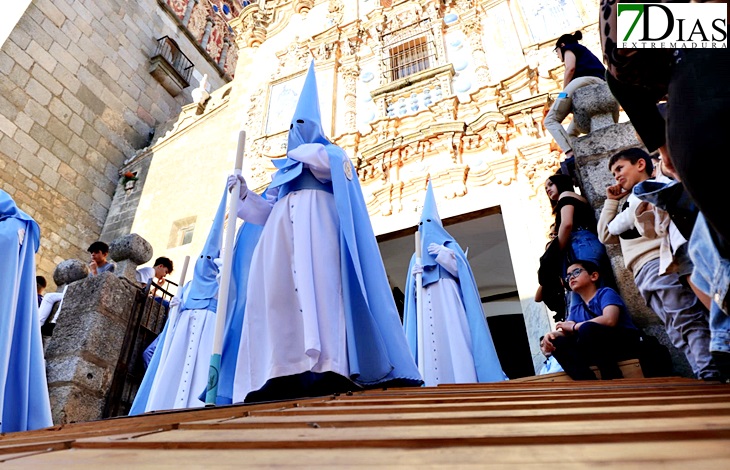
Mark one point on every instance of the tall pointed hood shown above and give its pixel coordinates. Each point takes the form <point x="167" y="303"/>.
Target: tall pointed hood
<point x="306" y="124"/>
<point x="430" y="226"/>
<point x="204" y="285"/>
<point x="8" y="210"/>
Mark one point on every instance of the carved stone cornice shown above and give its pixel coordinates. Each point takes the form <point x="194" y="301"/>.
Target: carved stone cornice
<point x="516" y="107"/>
<point x="302" y="6"/>
<point x="250" y="26"/>
<point x="404" y="84"/>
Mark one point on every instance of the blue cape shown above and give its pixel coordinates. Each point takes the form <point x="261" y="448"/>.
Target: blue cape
<point x="486" y="362"/>
<point x="24" y="402"/>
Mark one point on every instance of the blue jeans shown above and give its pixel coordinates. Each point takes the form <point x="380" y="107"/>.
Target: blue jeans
<point x="712" y="276"/>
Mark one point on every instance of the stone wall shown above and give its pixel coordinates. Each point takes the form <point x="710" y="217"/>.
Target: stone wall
<point x="77" y="100"/>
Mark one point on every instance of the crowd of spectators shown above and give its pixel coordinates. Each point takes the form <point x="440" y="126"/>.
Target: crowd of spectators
<point x="662" y="211"/>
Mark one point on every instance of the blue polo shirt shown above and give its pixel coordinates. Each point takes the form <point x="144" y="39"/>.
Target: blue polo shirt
<point x="604" y="297"/>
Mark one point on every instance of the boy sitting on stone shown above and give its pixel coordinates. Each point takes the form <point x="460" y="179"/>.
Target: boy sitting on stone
<point x="598" y="331"/>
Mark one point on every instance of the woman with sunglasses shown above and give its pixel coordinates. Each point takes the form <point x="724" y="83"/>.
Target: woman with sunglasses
<point x="582" y="68"/>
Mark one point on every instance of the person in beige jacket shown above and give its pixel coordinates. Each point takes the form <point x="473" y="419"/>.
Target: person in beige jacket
<point x="685" y="318"/>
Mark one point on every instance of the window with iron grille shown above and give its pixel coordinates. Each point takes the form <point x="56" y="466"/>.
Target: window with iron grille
<point x="410" y="50"/>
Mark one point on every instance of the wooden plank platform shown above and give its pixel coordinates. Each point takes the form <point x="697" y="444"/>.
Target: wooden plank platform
<point x="652" y="423"/>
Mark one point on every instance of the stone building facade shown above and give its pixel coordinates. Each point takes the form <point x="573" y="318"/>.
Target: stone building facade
<point x="83" y="86"/>
<point x="451" y="90"/>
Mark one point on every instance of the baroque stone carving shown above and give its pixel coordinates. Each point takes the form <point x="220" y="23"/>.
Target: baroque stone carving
<point x="303" y="6"/>
<point x="253" y="23"/>
<point x="496" y="141"/>
<point x="537" y="171"/>
<point x="336" y="11"/>
<point x="350" y="74"/>
<point x="296" y="57"/>
<point x="198" y="18"/>
<point x="473" y="30"/>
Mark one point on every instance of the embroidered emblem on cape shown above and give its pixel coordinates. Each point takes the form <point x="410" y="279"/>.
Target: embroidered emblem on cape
<point x="348" y="169"/>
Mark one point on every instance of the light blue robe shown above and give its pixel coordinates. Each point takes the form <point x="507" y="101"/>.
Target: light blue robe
<point x="486" y="362"/>
<point x="377" y="350"/>
<point x="24" y="401"/>
<point x="200" y="293"/>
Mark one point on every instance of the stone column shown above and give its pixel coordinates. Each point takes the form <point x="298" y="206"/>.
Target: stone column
<point x="349" y="75"/>
<point x="224" y="53"/>
<point x="189" y="11"/>
<point x="473" y="31"/>
<point x="594" y="110"/>
<point x="207" y="32"/>
<point x="129" y="252"/>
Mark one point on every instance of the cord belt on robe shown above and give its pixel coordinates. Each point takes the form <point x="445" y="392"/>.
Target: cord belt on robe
<point x="430" y="276"/>
<point x="306" y="180"/>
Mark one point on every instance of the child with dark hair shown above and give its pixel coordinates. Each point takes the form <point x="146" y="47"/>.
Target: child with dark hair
<point x="685" y="318"/>
<point x="40" y="284"/>
<point x="99" y="264"/>
<point x="161" y="268"/>
<point x="599" y="330"/>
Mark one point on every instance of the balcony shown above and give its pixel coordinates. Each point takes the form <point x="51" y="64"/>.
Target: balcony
<point x="170" y="66"/>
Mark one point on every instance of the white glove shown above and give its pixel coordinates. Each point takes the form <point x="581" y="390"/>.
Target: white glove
<point x="417" y="269"/>
<point x="445" y="257"/>
<point x="219" y="262"/>
<point x="232" y="182"/>
<point x="175" y="301"/>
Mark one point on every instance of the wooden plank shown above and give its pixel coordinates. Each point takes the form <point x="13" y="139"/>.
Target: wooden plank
<point x="145" y="422"/>
<point x="475" y="395"/>
<point x="624" y="430"/>
<point x="34" y="447"/>
<point x="464" y="417"/>
<point x="456" y="406"/>
<point x="660" y="455"/>
<point x="630" y="369"/>
<point x="483" y="398"/>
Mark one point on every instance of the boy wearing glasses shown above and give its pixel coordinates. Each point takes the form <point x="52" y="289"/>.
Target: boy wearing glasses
<point x="685" y="319"/>
<point x="598" y="331"/>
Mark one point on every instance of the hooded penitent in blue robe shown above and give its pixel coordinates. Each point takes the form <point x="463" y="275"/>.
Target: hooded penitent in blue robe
<point x="178" y="370"/>
<point x="377" y="351"/>
<point x="474" y="338"/>
<point x="24" y="402"/>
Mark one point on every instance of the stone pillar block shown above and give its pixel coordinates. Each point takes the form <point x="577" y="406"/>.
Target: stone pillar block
<point x="594" y="108"/>
<point x="69" y="271"/>
<point x="83" y="352"/>
<point x="129" y="251"/>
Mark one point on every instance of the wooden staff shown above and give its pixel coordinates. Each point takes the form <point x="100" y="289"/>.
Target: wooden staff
<point x="419" y="309"/>
<point x="220" y="316"/>
<point x="181" y="283"/>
